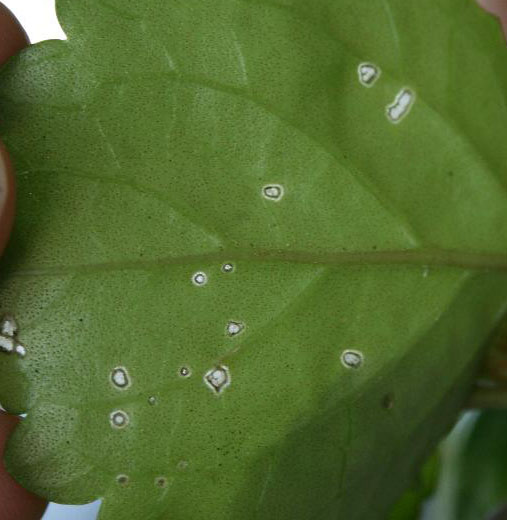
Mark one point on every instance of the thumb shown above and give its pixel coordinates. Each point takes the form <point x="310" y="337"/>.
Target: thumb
<point x="12" y="36"/>
<point x="12" y="39"/>
<point x="7" y="197"/>
<point x="15" y="502"/>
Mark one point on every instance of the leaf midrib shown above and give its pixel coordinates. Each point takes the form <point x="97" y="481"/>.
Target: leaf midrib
<point x="416" y="257"/>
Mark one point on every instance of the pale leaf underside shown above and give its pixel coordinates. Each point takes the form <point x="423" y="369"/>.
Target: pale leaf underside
<point x="345" y="159"/>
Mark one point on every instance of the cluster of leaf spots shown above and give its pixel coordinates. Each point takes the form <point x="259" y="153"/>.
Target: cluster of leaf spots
<point x="8" y="340"/>
<point x="216" y="379"/>
<point x="368" y="74"/>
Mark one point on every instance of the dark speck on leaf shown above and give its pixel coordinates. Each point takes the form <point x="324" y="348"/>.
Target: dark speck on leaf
<point x="388" y="401"/>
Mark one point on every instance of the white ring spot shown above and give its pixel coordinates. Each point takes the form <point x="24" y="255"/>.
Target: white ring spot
<point x="120" y="377"/>
<point x="119" y="419"/>
<point x="368" y="74"/>
<point x="234" y="328"/>
<point x="352" y="359"/>
<point x="273" y="192"/>
<point x="200" y="279"/>
<point x="185" y="372"/>
<point x="401" y="105"/>
<point x="218" y="378"/>
<point x="227" y="268"/>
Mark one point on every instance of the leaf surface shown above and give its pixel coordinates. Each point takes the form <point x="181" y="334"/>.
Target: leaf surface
<point x="412" y="504"/>
<point x="365" y="223"/>
<point x="473" y="480"/>
<point x="482" y="488"/>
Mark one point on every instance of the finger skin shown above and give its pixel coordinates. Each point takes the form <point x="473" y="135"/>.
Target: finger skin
<point x="12" y="39"/>
<point x="7" y="198"/>
<point x="498" y="7"/>
<point x="12" y="36"/>
<point x="15" y="502"/>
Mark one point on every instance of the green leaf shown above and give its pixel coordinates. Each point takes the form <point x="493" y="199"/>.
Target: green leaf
<point x="474" y="477"/>
<point x="411" y="504"/>
<point x="366" y="224"/>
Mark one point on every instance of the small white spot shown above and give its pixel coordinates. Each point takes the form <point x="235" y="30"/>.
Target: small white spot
<point x="185" y="372"/>
<point x="234" y="328"/>
<point x="120" y="378"/>
<point x="152" y="400"/>
<point x="200" y="279"/>
<point x="227" y="268"/>
<point x="368" y="74"/>
<point x="273" y="192"/>
<point x="218" y="378"/>
<point x="401" y="106"/>
<point x="20" y="350"/>
<point x="352" y="359"/>
<point x="119" y="419"/>
<point x="9" y="326"/>
<point x="6" y="343"/>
